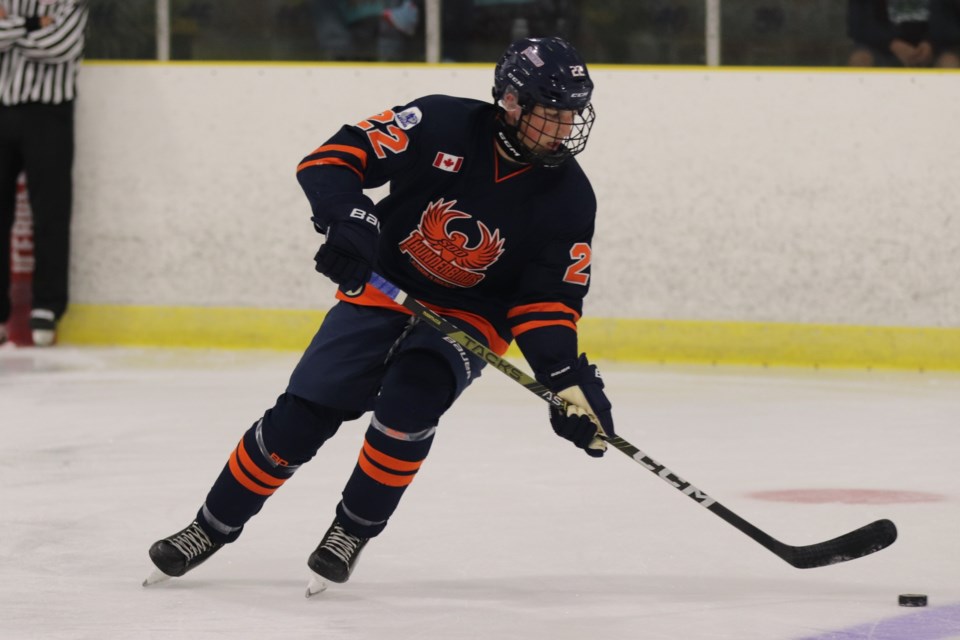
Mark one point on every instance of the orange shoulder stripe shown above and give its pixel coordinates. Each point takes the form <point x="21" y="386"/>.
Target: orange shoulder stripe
<point x="540" y="307"/>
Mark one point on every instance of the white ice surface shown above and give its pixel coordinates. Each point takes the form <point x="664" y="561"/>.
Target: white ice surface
<point x="507" y="532"/>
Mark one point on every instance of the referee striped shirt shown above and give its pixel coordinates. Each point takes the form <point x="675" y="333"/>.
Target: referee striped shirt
<point x="40" y="63"/>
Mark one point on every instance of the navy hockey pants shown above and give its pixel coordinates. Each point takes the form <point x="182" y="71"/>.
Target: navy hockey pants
<point x="361" y="359"/>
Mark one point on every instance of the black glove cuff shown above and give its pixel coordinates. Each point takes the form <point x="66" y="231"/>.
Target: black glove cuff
<point x="548" y="348"/>
<point x="571" y="373"/>
<point x="338" y="208"/>
<point x="353" y="231"/>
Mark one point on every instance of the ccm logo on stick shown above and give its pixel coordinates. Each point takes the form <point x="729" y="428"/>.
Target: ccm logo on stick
<point x="672" y="478"/>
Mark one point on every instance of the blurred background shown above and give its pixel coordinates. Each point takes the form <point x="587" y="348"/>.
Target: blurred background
<point x="661" y="32"/>
<point x="802" y="216"/>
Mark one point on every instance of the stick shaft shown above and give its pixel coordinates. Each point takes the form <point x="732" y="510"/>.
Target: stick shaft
<point x="855" y="544"/>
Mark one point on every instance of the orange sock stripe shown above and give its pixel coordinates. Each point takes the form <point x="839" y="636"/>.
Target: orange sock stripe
<point x="394" y="464"/>
<point x="381" y="476"/>
<point x="241" y="477"/>
<point x="251" y="467"/>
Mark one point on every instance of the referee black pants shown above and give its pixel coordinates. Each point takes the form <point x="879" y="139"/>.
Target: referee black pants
<point x="38" y="139"/>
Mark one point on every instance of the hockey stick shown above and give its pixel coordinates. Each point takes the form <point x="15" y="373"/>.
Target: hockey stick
<point x="856" y="544"/>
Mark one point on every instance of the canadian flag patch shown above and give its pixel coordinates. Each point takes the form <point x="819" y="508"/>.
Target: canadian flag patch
<point x="448" y="162"/>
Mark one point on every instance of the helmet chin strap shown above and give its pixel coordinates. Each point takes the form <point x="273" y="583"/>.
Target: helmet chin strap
<point x="509" y="142"/>
<point x="508" y="146"/>
<point x="508" y="124"/>
<point x="508" y="128"/>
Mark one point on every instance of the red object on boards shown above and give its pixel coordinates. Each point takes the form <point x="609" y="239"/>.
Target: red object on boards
<point x="21" y="269"/>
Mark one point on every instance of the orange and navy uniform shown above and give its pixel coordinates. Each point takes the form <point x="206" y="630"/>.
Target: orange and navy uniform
<point x="503" y="247"/>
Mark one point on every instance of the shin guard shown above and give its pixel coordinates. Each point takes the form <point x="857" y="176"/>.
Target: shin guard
<point x="417" y="389"/>
<point x="267" y="455"/>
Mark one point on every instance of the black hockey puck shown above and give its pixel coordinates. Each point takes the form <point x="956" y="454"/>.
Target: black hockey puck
<point x="913" y="600"/>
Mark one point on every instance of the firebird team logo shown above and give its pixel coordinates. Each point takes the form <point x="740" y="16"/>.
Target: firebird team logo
<point x="443" y="256"/>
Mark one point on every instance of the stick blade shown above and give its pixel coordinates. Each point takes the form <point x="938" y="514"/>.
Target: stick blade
<point x="850" y="546"/>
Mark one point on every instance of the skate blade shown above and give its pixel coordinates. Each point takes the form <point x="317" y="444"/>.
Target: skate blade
<point x="156" y="577"/>
<point x="317" y="584"/>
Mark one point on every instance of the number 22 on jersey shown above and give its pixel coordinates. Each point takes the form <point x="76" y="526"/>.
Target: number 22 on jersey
<point x="392" y="139"/>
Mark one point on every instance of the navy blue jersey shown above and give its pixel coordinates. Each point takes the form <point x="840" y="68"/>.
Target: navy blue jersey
<point x="503" y="246"/>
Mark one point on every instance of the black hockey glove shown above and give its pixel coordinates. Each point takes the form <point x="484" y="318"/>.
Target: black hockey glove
<point x="347" y="255"/>
<point x="588" y="415"/>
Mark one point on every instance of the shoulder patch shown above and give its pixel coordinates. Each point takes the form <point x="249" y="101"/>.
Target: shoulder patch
<point x="409" y="118"/>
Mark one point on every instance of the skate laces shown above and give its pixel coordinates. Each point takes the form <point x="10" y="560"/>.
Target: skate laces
<point x="341" y="544"/>
<point x="192" y="541"/>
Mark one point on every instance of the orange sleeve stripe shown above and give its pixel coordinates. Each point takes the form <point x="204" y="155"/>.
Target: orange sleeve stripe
<point x="541" y="307"/>
<point x="336" y="161"/>
<point x="394" y="464"/>
<point x="251" y="467"/>
<point x="360" y="154"/>
<point x="536" y="324"/>
<point x="381" y="476"/>
<point x="242" y="478"/>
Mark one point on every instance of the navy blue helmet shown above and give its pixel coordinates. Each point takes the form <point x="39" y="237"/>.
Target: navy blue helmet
<point x="551" y="73"/>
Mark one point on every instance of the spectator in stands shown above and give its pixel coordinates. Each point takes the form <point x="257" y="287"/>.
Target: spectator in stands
<point x="475" y="29"/>
<point x="945" y="31"/>
<point x="367" y="30"/>
<point x="902" y="33"/>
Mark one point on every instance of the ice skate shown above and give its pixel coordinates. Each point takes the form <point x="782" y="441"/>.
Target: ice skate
<point x="179" y="553"/>
<point x="334" y="558"/>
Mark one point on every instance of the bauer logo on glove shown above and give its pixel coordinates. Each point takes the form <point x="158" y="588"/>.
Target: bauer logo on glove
<point x="347" y="255"/>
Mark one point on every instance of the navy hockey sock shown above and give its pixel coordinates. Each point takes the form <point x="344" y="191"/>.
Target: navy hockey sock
<point x="267" y="455"/>
<point x="417" y="389"/>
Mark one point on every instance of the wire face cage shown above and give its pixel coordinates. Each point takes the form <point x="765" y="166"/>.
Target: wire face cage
<point x="552" y="138"/>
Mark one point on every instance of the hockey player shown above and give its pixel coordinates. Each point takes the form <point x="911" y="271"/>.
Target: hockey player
<point x="489" y="222"/>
